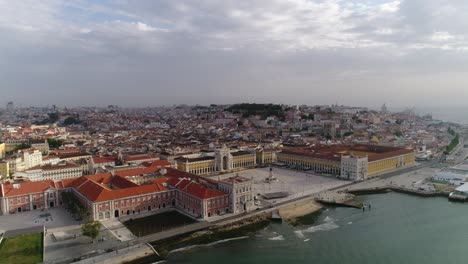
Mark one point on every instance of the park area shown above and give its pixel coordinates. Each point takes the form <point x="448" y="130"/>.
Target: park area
<point x="157" y="223"/>
<point x="22" y="249"/>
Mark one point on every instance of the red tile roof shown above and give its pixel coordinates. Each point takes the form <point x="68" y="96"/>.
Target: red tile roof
<point x="9" y="190"/>
<point x="235" y="179"/>
<point x="107" y="159"/>
<point x="142" y="157"/>
<point x="334" y="152"/>
<point x="195" y="189"/>
<point x="137" y="171"/>
<point x="157" y="163"/>
<point x="99" y="187"/>
<point x="99" y="193"/>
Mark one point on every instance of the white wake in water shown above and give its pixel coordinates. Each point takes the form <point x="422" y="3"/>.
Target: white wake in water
<point x="207" y="245"/>
<point x="328" y="225"/>
<point x="299" y="234"/>
<point x="278" y="238"/>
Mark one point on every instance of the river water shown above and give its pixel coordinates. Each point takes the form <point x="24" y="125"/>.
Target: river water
<point x="398" y="229"/>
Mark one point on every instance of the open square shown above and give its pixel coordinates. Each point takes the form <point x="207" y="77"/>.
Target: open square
<point x="296" y="183"/>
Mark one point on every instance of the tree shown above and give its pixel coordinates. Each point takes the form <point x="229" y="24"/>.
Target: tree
<point x="54" y="143"/>
<point x="91" y="229"/>
<point x="71" y="120"/>
<point x="22" y="146"/>
<point x="53" y="117"/>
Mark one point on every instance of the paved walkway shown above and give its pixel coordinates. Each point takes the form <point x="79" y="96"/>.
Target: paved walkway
<point x="59" y="217"/>
<point x="25" y="231"/>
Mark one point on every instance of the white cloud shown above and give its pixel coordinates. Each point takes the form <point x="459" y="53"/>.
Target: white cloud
<point x="384" y="31"/>
<point x="442" y="36"/>
<point x="144" y="27"/>
<point x="85" y="30"/>
<point x="249" y="41"/>
<point x="391" y="7"/>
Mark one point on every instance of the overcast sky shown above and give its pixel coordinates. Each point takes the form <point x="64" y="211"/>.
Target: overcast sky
<point x="141" y="53"/>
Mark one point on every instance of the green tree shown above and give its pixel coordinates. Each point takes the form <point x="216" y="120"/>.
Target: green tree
<point x="54" y="143"/>
<point x="53" y="117"/>
<point x="91" y="229"/>
<point x="22" y="146"/>
<point x="71" y="120"/>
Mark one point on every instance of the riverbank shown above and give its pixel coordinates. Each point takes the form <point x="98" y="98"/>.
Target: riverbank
<point x="292" y="211"/>
<point x="390" y="188"/>
<point x="399" y="228"/>
<point x="237" y="229"/>
<point x="230" y="231"/>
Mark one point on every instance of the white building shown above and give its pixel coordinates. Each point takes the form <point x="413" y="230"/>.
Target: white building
<point x="240" y="192"/>
<point x="54" y="172"/>
<point x="31" y="158"/>
<point x="42" y="146"/>
<point x="453" y="178"/>
<point x="354" y="168"/>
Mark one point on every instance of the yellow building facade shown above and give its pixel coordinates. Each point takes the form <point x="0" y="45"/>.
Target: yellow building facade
<point x="378" y="167"/>
<point x="2" y="150"/>
<point x="243" y="161"/>
<point x="198" y="167"/>
<point x="374" y="160"/>
<point x="304" y="162"/>
<point x="222" y="160"/>
<point x="265" y="157"/>
<point x="4" y="169"/>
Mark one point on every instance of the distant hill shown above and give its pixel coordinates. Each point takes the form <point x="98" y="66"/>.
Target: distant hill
<point x="263" y="110"/>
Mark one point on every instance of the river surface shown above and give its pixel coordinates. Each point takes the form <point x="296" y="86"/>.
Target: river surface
<point x="398" y="229"/>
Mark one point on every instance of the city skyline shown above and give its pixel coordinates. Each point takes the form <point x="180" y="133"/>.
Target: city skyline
<point x="403" y="53"/>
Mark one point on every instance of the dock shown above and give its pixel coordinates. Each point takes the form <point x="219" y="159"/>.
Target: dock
<point x="275" y="216"/>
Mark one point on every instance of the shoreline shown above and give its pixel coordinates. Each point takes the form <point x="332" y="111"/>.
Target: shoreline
<point x="292" y="214"/>
<point x="387" y="189"/>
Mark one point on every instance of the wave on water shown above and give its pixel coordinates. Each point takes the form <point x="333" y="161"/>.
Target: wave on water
<point x="328" y="225"/>
<point x="305" y="240"/>
<point x="299" y="234"/>
<point x="278" y="238"/>
<point x="208" y="245"/>
<point x="349" y="223"/>
<point x="162" y="261"/>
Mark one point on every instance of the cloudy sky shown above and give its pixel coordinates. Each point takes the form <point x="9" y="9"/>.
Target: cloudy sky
<point x="140" y="53"/>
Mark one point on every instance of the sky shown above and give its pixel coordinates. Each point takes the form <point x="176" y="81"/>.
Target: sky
<point x="149" y="53"/>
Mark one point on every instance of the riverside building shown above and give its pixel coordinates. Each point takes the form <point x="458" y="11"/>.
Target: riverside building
<point x="118" y="194"/>
<point x="350" y="162"/>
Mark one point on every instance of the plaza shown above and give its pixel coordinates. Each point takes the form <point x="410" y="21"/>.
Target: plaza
<point x="50" y="218"/>
<point x="295" y="183"/>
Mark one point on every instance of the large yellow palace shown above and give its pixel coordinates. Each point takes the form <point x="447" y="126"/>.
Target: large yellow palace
<point x="355" y="162"/>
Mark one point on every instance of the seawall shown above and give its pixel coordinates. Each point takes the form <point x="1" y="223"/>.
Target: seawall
<point x="389" y="188"/>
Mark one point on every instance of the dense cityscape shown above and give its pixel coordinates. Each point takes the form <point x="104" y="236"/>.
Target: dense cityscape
<point x="241" y="132"/>
<point x="119" y="175"/>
